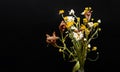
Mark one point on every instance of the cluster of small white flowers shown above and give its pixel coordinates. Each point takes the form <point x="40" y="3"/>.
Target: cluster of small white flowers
<point x="70" y="18"/>
<point x="78" y="35"/>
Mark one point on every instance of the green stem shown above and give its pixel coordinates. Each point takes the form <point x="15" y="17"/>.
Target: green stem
<point x="57" y="46"/>
<point x="92" y="36"/>
<point x="64" y="44"/>
<point x="90" y="59"/>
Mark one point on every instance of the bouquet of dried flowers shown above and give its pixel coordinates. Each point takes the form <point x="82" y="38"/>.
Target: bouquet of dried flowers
<point x="75" y="37"/>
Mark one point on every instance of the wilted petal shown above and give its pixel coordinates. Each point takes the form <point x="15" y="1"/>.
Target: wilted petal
<point x="88" y="15"/>
<point x="51" y="39"/>
<point x="62" y="26"/>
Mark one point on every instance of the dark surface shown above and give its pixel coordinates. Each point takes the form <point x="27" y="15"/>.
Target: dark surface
<point x="24" y="25"/>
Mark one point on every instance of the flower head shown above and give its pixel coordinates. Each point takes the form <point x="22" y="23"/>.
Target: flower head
<point x="61" y="11"/>
<point x="90" y="24"/>
<point x="87" y="13"/>
<point x="83" y="27"/>
<point x="78" y="19"/>
<point x="74" y="28"/>
<point x="69" y="18"/>
<point x="69" y="21"/>
<point x="78" y="35"/>
<point x="71" y="12"/>
<point x="62" y="26"/>
<point x="85" y="20"/>
<point x="95" y="24"/>
<point x="51" y="39"/>
<point x="94" y="48"/>
<point x="99" y="21"/>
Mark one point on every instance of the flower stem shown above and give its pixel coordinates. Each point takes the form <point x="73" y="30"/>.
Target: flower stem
<point x="92" y="36"/>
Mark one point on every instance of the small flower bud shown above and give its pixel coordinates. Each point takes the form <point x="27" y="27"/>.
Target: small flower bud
<point x="60" y="50"/>
<point x="99" y="29"/>
<point x="94" y="48"/>
<point x="85" y="39"/>
<point x="89" y="46"/>
<point x="99" y="21"/>
<point x="61" y="11"/>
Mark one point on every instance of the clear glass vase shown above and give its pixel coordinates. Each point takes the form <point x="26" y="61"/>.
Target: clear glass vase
<point x="78" y="67"/>
<point x="80" y="70"/>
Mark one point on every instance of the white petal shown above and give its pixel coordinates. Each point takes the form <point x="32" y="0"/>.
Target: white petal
<point x="82" y="13"/>
<point x="90" y="24"/>
<point x="71" y="12"/>
<point x="78" y="36"/>
<point x="85" y="39"/>
<point x="70" y="18"/>
<point x="74" y="28"/>
<point x="81" y="35"/>
<point x="99" y="21"/>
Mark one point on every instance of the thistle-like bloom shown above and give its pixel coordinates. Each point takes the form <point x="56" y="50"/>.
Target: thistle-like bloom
<point x="51" y="39"/>
<point x="62" y="26"/>
<point x="87" y="13"/>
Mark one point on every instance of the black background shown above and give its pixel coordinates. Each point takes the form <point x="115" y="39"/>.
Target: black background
<point x="24" y="24"/>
